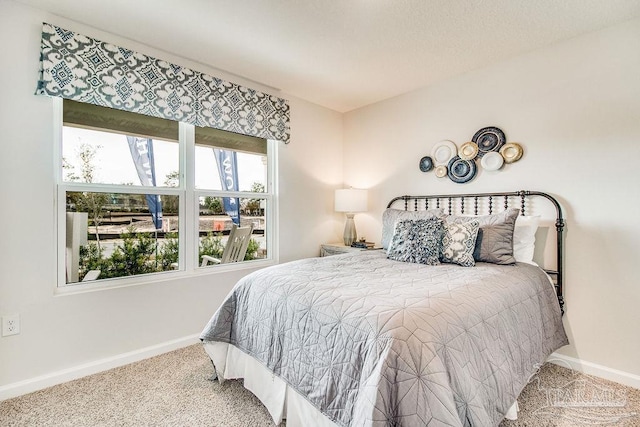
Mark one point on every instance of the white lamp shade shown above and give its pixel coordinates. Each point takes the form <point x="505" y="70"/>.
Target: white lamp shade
<point x="351" y="200"/>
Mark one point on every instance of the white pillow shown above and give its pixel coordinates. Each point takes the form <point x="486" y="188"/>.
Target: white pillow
<point x="524" y="238"/>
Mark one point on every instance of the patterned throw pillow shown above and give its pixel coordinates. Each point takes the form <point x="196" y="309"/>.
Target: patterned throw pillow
<point x="495" y="241"/>
<point x="417" y="241"/>
<point x="391" y="216"/>
<point x="458" y="243"/>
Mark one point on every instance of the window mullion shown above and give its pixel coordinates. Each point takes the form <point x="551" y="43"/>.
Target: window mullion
<point x="112" y="188"/>
<point x="238" y="194"/>
<point x="188" y="221"/>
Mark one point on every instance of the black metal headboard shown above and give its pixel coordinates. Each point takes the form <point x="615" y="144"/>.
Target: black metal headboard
<point x="481" y="203"/>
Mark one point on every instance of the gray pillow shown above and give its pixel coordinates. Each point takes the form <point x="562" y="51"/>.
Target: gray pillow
<point x="417" y="241"/>
<point x="494" y="243"/>
<point x="390" y="216"/>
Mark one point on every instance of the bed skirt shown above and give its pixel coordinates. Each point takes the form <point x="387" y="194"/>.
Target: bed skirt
<point x="282" y="401"/>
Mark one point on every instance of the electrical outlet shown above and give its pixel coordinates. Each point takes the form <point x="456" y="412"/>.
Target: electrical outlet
<point x="10" y="325"/>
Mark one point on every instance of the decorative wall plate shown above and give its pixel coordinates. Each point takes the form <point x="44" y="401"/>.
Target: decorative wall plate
<point x="489" y="139"/>
<point x="511" y="152"/>
<point x="468" y="151"/>
<point x="443" y="151"/>
<point x="492" y="161"/>
<point x="426" y="164"/>
<point x="461" y="171"/>
<point x="441" y="171"/>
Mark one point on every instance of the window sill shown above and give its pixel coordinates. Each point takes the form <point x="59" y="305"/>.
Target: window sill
<point x="147" y="279"/>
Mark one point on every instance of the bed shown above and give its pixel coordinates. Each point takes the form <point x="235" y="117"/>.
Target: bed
<point x="360" y="339"/>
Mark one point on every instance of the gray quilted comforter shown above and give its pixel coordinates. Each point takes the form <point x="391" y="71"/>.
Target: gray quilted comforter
<point x="370" y="341"/>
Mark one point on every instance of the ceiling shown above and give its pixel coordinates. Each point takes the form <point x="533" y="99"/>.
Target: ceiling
<point x="344" y="54"/>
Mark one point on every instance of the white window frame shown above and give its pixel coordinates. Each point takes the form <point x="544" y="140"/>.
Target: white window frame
<point x="188" y="223"/>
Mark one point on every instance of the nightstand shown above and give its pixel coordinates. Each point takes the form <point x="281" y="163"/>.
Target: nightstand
<point x="327" y="249"/>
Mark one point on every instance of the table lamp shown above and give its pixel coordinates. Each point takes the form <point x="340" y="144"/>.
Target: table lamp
<point x="350" y="201"/>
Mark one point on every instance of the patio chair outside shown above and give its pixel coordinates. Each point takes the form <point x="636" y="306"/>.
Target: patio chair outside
<point x="91" y="275"/>
<point x="235" y="249"/>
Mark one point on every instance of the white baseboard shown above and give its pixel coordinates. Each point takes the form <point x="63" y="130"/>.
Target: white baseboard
<point x="38" y="383"/>
<point x="596" y="370"/>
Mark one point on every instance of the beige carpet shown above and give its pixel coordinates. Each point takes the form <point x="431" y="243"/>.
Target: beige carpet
<point x="174" y="390"/>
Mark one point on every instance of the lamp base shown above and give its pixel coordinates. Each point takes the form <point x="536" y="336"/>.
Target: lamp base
<point x="349" y="235"/>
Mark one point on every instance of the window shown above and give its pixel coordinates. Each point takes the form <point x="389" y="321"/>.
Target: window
<point x="139" y="195"/>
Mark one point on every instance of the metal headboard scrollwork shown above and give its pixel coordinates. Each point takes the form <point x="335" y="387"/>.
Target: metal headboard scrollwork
<point x="481" y="203"/>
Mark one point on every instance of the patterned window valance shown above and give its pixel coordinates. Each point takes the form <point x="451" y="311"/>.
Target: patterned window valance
<point x="83" y="69"/>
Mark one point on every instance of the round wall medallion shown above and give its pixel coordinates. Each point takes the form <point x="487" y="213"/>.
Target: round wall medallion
<point x="441" y="171"/>
<point x="461" y="171"/>
<point x="492" y="161"/>
<point x="511" y="152"/>
<point x="426" y="164"/>
<point x="489" y="139"/>
<point x="468" y="151"/>
<point x="443" y="151"/>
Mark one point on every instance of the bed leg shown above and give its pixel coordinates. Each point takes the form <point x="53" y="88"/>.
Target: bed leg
<point x="214" y="376"/>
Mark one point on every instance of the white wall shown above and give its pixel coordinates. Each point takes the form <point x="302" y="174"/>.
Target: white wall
<point x="63" y="332"/>
<point x="575" y="107"/>
<point x="310" y="169"/>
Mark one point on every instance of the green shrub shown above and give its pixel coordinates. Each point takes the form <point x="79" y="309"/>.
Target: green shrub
<point x="139" y="253"/>
<point x="211" y="245"/>
<point x="168" y="252"/>
<point x="252" y="250"/>
<point x="134" y="256"/>
<point x="90" y="259"/>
